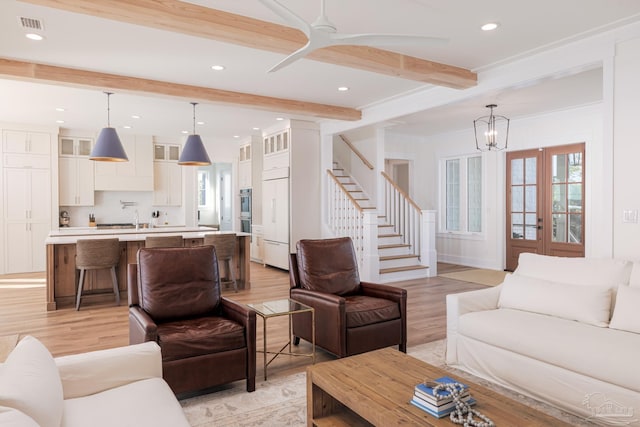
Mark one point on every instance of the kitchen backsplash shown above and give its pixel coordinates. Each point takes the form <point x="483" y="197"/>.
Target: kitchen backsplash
<point x="108" y="209"/>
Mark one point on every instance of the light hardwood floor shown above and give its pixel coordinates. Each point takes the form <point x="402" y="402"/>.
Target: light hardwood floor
<point x="67" y="331"/>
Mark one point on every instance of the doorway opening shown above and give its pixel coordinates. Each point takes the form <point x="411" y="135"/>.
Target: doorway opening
<point x="215" y="196"/>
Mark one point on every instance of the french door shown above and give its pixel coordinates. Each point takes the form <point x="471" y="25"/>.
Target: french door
<point x="545" y="202"/>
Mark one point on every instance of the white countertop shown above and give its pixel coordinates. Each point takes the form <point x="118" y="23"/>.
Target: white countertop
<point x="68" y="235"/>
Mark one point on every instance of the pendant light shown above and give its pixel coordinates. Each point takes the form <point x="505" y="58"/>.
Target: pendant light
<point x="194" y="153"/>
<point x="108" y="147"/>
<point x="493" y="131"/>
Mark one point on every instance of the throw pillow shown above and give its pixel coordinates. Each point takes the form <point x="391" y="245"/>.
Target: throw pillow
<point x="626" y="315"/>
<point x="587" y="304"/>
<point x="29" y="382"/>
<point x="10" y="417"/>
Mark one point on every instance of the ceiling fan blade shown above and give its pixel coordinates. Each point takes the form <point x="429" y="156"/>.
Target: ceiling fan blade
<point x="289" y="17"/>
<point x="300" y="53"/>
<point x="384" y="39"/>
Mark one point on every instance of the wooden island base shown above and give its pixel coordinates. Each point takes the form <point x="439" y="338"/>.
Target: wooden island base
<point x="62" y="276"/>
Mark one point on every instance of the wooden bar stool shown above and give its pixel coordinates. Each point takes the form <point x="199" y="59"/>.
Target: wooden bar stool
<point x="97" y="254"/>
<point x="225" y="246"/>
<point x="163" y="242"/>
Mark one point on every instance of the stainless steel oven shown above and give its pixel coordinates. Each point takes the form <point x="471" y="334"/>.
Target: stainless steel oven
<point x="245" y="210"/>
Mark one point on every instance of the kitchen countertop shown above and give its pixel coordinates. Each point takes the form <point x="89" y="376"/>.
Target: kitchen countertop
<point x="69" y="235"/>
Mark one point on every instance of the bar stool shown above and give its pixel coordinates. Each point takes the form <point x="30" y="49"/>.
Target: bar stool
<point x="163" y="242"/>
<point x="225" y="246"/>
<point x="97" y="254"/>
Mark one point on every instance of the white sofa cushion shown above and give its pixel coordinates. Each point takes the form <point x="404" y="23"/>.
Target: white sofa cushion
<point x="588" y="304"/>
<point x="143" y="403"/>
<point x="606" y="354"/>
<point x="606" y="272"/>
<point x="88" y="373"/>
<point x="10" y="417"/>
<point x="27" y="376"/>
<point x="626" y="315"/>
<point x="634" y="279"/>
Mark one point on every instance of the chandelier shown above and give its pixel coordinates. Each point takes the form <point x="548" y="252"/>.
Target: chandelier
<point x="492" y="132"/>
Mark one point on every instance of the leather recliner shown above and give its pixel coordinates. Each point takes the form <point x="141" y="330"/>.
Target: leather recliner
<point x="206" y="340"/>
<point x="351" y="316"/>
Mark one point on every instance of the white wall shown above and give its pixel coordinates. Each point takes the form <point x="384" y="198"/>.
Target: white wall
<point x="486" y="250"/>
<point x="368" y="143"/>
<point x="626" y="148"/>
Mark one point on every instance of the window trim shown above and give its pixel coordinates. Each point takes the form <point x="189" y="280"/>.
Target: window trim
<point x="463" y="196"/>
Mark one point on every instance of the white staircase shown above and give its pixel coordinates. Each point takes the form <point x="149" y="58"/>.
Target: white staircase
<point x="397" y="259"/>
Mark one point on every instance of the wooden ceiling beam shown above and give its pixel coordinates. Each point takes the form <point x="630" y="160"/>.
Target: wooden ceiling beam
<point x="199" y="21"/>
<point x="72" y="77"/>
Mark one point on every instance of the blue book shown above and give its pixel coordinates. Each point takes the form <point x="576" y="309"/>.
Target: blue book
<point x="446" y="396"/>
<point x="440" y="413"/>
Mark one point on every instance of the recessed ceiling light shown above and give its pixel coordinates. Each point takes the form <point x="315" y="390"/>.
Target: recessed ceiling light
<point x="60" y="121"/>
<point x="126" y="127"/>
<point x="34" y="36"/>
<point x="490" y="26"/>
<point x="217" y="67"/>
<point x="185" y="131"/>
<point x="200" y="123"/>
<point x="59" y="109"/>
<point x="279" y="118"/>
<point x="343" y="89"/>
<point x="135" y="116"/>
<point x="236" y="136"/>
<point x="256" y="128"/>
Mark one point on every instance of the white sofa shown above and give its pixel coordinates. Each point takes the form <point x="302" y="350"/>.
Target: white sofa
<point x="116" y="387"/>
<point x="561" y="330"/>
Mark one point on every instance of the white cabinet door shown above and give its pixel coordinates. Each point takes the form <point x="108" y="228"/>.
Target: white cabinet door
<point x="17" y="197"/>
<point x="18" y="242"/>
<point x="167" y="184"/>
<point x="275" y="210"/>
<point x="16" y="141"/>
<point x="40" y="192"/>
<point x="67" y="179"/>
<point x="85" y="192"/>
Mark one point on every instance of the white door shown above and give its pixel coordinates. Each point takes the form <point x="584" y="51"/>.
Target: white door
<point x="225" y="196"/>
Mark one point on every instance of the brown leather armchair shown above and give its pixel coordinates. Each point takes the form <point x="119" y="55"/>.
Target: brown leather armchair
<point x="206" y="339"/>
<point x="351" y="316"/>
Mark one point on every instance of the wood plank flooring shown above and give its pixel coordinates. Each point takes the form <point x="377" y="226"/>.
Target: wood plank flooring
<point x="95" y="327"/>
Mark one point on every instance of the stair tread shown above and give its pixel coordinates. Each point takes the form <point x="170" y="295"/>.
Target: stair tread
<point x="392" y="257"/>
<point x="389" y="235"/>
<point x="367" y="207"/>
<point x="385" y="225"/>
<point x="396" y="245"/>
<point x="407" y="268"/>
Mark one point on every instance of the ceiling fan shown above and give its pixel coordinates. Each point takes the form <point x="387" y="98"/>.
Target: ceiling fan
<point x="323" y="33"/>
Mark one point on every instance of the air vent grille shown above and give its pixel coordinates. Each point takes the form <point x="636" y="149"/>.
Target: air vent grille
<point x="30" y="23"/>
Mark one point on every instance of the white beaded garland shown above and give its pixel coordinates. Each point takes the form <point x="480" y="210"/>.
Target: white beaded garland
<point x="463" y="414"/>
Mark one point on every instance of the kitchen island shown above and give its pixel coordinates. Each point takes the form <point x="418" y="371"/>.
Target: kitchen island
<point x="62" y="276"/>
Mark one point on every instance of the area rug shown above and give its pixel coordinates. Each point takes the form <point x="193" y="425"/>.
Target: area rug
<point x="282" y="401"/>
<point x="478" y="275"/>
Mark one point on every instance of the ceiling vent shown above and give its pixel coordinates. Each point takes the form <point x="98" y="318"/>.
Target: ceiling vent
<point x="31" y="24"/>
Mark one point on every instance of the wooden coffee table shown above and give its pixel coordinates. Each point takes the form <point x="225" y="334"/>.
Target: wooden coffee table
<point x="375" y="389"/>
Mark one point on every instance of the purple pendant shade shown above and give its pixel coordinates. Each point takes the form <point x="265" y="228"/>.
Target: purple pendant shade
<point x="108" y="147"/>
<point x="194" y="153"/>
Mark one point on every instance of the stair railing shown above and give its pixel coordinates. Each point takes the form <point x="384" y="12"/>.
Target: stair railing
<point x="357" y="152"/>
<point x="347" y="219"/>
<point x="405" y="215"/>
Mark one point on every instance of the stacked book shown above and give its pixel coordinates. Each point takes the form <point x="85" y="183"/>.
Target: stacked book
<point x="424" y="398"/>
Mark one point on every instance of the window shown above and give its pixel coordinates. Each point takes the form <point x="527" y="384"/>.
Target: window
<point x="204" y="189"/>
<point x="462" y="194"/>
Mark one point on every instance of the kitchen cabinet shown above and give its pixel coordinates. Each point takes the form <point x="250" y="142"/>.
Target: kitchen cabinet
<point x="167" y="175"/>
<point x="291" y="204"/>
<point x="75" y="172"/>
<point x="257" y="244"/>
<point x="134" y="175"/>
<point x="26" y="142"/>
<point x="244" y="166"/>
<point x="27" y="214"/>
